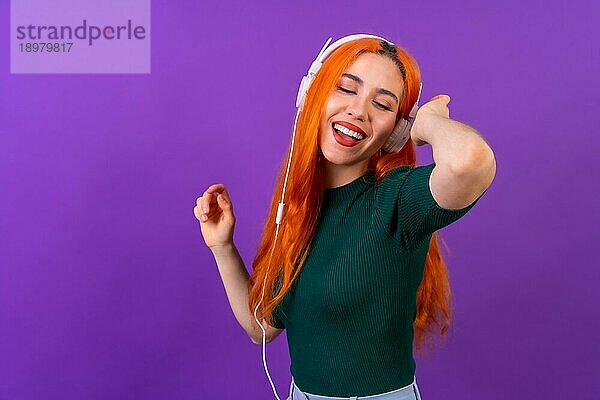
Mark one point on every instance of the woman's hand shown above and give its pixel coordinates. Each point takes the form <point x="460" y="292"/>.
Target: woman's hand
<point x="215" y="214"/>
<point x="434" y="108"/>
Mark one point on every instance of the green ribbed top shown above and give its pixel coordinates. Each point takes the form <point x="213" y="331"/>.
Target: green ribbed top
<point x="349" y="315"/>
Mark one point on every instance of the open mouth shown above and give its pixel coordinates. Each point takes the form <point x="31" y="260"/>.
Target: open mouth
<point x="348" y="134"/>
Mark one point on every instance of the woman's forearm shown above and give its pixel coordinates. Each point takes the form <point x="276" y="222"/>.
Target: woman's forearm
<point x="235" y="279"/>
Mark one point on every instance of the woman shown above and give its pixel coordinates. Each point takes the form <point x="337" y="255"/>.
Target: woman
<point x="355" y="274"/>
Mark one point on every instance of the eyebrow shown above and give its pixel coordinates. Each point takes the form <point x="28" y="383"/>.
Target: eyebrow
<point x="360" y="82"/>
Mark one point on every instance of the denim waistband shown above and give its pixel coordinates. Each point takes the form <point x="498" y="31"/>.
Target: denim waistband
<point x="398" y="394"/>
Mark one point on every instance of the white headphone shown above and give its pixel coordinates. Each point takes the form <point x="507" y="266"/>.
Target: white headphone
<point x="401" y="132"/>
<point x="396" y="141"/>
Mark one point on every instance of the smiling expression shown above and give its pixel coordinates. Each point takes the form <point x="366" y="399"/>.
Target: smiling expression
<point x="364" y="103"/>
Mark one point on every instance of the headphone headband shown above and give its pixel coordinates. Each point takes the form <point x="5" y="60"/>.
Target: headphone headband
<point x="325" y="52"/>
<point x="347" y="39"/>
<point x="401" y="131"/>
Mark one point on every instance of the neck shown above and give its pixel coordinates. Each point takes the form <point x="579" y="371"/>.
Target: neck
<point x="338" y="175"/>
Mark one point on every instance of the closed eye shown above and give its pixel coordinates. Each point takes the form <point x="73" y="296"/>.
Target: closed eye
<point x="382" y="106"/>
<point x="344" y="90"/>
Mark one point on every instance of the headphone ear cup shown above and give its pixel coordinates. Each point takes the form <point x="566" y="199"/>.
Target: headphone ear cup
<point x="401" y="132"/>
<point x="399" y="136"/>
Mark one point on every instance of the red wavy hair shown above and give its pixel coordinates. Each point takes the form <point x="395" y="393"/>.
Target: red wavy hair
<point x="304" y="193"/>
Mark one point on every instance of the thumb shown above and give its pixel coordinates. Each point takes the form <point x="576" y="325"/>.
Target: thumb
<point x="224" y="204"/>
<point x="227" y="208"/>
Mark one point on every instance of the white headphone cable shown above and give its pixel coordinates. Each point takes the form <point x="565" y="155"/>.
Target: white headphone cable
<point x="277" y="221"/>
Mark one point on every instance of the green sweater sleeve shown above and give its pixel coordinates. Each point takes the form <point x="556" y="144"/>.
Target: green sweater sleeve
<point x="407" y="207"/>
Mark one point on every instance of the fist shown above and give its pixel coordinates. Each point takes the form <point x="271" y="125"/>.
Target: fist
<point x="434" y="108"/>
<point x="438" y="105"/>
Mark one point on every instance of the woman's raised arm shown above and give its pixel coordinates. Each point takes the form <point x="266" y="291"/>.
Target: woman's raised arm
<point x="465" y="163"/>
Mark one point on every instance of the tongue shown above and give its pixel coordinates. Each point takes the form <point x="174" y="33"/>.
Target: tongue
<point x="347" y="137"/>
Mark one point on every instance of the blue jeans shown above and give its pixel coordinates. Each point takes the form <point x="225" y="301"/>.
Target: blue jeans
<point x="410" y="392"/>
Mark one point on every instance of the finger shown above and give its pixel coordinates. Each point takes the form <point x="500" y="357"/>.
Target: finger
<point x="198" y="213"/>
<point x="226" y="197"/>
<point x="208" y="200"/>
<point x="221" y="205"/>
<point x="224" y="203"/>
<point x="227" y="209"/>
<point x="220" y="190"/>
<point x="200" y="205"/>
<point x="203" y="217"/>
<point x="217" y="187"/>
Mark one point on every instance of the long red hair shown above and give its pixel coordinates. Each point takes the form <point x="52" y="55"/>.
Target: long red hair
<point x="304" y="193"/>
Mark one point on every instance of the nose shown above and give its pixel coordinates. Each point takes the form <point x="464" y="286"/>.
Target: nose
<point x="357" y="108"/>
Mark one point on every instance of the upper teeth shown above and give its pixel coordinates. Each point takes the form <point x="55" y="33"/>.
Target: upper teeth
<point x="348" y="132"/>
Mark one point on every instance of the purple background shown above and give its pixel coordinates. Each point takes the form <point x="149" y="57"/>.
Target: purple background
<point x="107" y="290"/>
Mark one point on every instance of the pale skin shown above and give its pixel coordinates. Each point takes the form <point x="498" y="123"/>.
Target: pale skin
<point x="465" y="164"/>
<point x="214" y="210"/>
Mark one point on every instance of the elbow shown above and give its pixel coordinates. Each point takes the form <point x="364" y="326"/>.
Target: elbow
<point x="258" y="340"/>
<point x="479" y="163"/>
<point x="255" y="340"/>
<point x="269" y="333"/>
<point x="255" y="337"/>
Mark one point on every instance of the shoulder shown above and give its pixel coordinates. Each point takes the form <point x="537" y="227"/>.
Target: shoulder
<point x="391" y="182"/>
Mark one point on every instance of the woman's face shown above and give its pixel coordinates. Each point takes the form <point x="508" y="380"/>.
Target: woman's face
<point x="365" y="101"/>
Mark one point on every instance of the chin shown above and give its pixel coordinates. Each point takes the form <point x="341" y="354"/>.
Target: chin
<point x="338" y="159"/>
